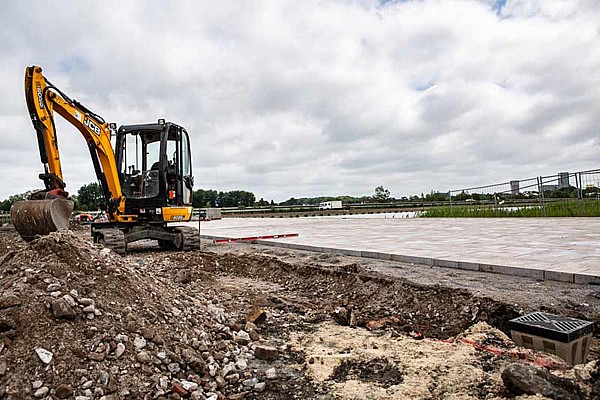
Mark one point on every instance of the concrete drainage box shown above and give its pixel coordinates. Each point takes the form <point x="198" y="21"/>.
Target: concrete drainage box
<point x="568" y="338"/>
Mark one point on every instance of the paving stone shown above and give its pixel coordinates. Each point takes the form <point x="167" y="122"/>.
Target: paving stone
<point x="527" y="247"/>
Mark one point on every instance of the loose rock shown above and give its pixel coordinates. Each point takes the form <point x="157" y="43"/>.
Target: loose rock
<point x="44" y="355"/>
<point x="62" y="310"/>
<point x="119" y="350"/>
<point x="143" y="357"/>
<point x="524" y="379"/>
<point x="41" y="392"/>
<point x="265" y="352"/>
<point x="63" y="391"/>
<point x="53" y="287"/>
<point x="257" y="316"/>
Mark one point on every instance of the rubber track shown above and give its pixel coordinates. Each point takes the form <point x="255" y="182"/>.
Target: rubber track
<point x="191" y="237"/>
<point x="114" y="239"/>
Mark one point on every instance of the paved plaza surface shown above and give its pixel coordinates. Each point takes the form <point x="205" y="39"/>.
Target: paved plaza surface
<point x="562" y="249"/>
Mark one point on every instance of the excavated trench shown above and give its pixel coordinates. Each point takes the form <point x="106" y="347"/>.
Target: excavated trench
<point x="356" y="297"/>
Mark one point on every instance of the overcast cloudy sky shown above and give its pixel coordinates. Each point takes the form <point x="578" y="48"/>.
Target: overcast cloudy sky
<point x="306" y="98"/>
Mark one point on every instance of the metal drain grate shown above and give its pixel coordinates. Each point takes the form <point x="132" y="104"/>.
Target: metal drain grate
<point x="556" y="327"/>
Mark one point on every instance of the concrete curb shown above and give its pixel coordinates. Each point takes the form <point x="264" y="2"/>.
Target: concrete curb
<point x="539" y="274"/>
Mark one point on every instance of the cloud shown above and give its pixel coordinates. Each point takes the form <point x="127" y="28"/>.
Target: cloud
<point x="307" y="98"/>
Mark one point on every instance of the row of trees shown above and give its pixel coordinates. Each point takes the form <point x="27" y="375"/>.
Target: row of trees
<point x="6" y="203"/>
<point x="90" y="196"/>
<point x="234" y="198"/>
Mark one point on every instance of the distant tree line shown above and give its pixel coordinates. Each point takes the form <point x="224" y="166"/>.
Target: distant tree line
<point x="212" y="198"/>
<point x="90" y="196"/>
<point x="6" y="203"/>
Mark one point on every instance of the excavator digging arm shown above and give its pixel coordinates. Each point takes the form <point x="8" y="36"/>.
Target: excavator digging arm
<point x="43" y="98"/>
<point x="49" y="210"/>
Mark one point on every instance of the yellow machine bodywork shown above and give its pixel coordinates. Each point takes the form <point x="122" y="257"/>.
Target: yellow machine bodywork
<point x="176" y="214"/>
<point x="125" y="224"/>
<point x="43" y="99"/>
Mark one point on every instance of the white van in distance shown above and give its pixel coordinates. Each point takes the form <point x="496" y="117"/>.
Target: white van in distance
<point x="330" y="205"/>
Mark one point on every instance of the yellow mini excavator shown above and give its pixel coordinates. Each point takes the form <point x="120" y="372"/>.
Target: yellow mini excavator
<point x="146" y="180"/>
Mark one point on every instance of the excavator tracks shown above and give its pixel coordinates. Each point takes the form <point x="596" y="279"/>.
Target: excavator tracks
<point x="114" y="239"/>
<point x="191" y="238"/>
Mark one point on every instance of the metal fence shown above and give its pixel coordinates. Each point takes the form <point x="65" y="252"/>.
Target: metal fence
<point x="4" y="217"/>
<point x="563" y="194"/>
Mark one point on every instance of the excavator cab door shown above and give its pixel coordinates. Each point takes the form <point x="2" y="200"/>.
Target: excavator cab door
<point x="179" y="169"/>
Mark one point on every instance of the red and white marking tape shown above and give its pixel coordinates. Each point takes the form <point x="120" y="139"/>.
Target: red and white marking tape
<point x="250" y="238"/>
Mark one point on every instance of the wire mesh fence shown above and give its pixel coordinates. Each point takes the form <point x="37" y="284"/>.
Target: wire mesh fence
<point x="562" y="195"/>
<point x="4" y="218"/>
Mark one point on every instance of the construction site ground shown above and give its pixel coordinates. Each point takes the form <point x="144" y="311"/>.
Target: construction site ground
<point x="246" y="321"/>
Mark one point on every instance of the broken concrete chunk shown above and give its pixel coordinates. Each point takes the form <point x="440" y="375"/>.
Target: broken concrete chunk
<point x="524" y="379"/>
<point x="44" y="355"/>
<point x="271" y="373"/>
<point x="266" y="352"/>
<point x="260" y="387"/>
<point x="119" y="350"/>
<point x="70" y="300"/>
<point x="241" y="337"/>
<point x="86" y="301"/>
<point x="139" y="343"/>
<point x="62" y="310"/>
<point x="53" y="287"/>
<point x="189" y="385"/>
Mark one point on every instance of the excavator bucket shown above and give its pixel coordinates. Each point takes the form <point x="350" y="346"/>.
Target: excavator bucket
<point x="40" y="217"/>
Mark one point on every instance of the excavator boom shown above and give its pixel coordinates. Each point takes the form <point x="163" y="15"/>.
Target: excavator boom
<point x="50" y="210"/>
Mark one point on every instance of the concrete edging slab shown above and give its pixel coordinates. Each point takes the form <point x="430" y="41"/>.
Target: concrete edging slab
<point x="533" y="273"/>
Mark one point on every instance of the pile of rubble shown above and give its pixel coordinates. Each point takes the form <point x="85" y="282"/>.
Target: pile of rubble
<point x="78" y="321"/>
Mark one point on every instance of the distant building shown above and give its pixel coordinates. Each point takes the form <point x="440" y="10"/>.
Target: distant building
<point x="514" y="187"/>
<point x="549" y="188"/>
<point x="563" y="180"/>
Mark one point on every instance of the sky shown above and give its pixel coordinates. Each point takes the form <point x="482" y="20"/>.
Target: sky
<point x="317" y="98"/>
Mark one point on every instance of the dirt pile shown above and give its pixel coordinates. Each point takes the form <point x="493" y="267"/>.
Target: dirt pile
<point x="76" y="320"/>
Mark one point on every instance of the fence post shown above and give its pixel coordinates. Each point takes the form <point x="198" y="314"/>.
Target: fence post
<point x="579" y="184"/>
<point x="450" y="193"/>
<point x="496" y="204"/>
<point x="540" y="181"/>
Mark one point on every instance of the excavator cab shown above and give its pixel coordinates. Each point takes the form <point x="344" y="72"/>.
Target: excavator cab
<point x="155" y="171"/>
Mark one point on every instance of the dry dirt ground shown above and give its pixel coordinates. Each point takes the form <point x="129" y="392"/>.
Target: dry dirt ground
<point x="244" y="321"/>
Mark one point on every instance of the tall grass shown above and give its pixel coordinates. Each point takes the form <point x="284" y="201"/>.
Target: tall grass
<point x="554" y="209"/>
